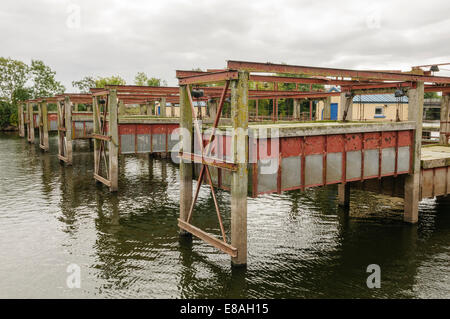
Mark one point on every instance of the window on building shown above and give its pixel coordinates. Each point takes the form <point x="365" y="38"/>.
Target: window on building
<point x="379" y="111"/>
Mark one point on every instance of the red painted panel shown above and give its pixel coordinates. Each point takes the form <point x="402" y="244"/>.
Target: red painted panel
<point x="371" y="140"/>
<point x="388" y="139"/>
<point x="404" y="138"/>
<point x="353" y="142"/>
<point x="159" y="128"/>
<point x="125" y="129"/>
<point x="142" y="129"/>
<point x="291" y="146"/>
<point x="172" y="127"/>
<point x="335" y="143"/>
<point x="314" y="145"/>
<point x="267" y="148"/>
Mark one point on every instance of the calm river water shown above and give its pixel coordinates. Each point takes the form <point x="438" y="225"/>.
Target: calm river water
<point x="127" y="245"/>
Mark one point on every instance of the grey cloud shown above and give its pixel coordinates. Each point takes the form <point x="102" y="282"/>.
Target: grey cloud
<point x="158" y="37"/>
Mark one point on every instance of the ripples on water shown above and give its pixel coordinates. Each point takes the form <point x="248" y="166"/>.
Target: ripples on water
<point x="127" y="245"/>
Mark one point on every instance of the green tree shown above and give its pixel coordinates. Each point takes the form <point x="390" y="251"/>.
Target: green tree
<point x="44" y="82"/>
<point x="85" y="84"/>
<point x="431" y="95"/>
<point x="13" y="76"/>
<point x="142" y="79"/>
<point x="101" y="82"/>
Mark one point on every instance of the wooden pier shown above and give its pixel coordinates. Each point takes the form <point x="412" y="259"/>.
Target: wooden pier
<point x="248" y="155"/>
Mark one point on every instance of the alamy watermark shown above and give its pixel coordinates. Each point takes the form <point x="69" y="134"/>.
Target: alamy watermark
<point x="74" y="278"/>
<point x="374" y="279"/>
<point x="73" y="20"/>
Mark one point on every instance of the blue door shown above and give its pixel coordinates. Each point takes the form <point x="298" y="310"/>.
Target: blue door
<point x="334" y="111"/>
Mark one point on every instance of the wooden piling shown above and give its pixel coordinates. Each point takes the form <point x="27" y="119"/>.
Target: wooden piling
<point x="43" y="126"/>
<point x="327" y="109"/>
<point x="113" y="144"/>
<point x="412" y="180"/>
<point x="162" y="105"/>
<point x="345" y="108"/>
<point x="186" y="167"/>
<point x="68" y="126"/>
<point x="445" y="120"/>
<point x="21" y="120"/>
<point x="344" y="195"/>
<point x="30" y="123"/>
<point x="239" y="180"/>
<point x="95" y="131"/>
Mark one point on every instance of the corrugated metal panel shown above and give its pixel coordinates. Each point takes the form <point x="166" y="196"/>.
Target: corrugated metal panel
<point x="378" y="98"/>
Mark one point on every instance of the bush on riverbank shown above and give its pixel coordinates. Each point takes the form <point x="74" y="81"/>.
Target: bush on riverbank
<point x="8" y="116"/>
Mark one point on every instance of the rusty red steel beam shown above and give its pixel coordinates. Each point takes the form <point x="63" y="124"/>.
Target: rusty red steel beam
<point x="354" y="74"/>
<point x="209" y="77"/>
<point x="280" y="79"/>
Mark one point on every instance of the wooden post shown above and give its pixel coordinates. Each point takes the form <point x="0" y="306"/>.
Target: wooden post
<point x="31" y="123"/>
<point x="121" y="108"/>
<point x="43" y="130"/>
<point x="68" y="126"/>
<point x="212" y="107"/>
<point x="162" y="104"/>
<point x="296" y="110"/>
<point x="239" y="180"/>
<point x="412" y="180"/>
<point x="113" y="145"/>
<point x="60" y="133"/>
<point x="20" y="119"/>
<point x="149" y="108"/>
<point x="95" y="130"/>
<point x="327" y="109"/>
<point x="445" y="118"/>
<point x="186" y="136"/>
<point x="344" y="195"/>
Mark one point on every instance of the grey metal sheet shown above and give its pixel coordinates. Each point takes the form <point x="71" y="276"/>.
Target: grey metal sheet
<point x="371" y="163"/>
<point x="388" y="160"/>
<point x="143" y="143"/>
<point x="353" y="164"/>
<point x="334" y="167"/>
<point x="313" y="169"/>
<point x="127" y="144"/>
<point x="291" y="172"/>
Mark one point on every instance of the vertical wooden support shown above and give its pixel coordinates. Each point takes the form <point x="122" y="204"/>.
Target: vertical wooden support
<point x="186" y="167"/>
<point x="30" y="123"/>
<point x="95" y="130"/>
<point x="345" y="108"/>
<point x="162" y="104"/>
<point x="412" y="180"/>
<point x="445" y="118"/>
<point x="212" y="107"/>
<point x="113" y="145"/>
<point x="296" y="111"/>
<point x="149" y="108"/>
<point x="239" y="180"/>
<point x="68" y="126"/>
<point x="21" y="120"/>
<point x="122" y="108"/>
<point x="344" y="195"/>
<point x="43" y="130"/>
<point x="327" y="109"/>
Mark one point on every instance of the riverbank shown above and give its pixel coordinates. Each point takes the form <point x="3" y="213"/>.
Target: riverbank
<point x="9" y="128"/>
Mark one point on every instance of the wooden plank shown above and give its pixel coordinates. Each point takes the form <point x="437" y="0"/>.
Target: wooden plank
<point x="62" y="158"/>
<point x="221" y="245"/>
<point x="101" y="137"/>
<point x="210" y="161"/>
<point x="102" y="180"/>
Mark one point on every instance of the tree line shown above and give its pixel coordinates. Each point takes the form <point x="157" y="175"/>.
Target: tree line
<point x="20" y="81"/>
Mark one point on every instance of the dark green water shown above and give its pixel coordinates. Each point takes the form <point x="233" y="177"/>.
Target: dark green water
<point x="127" y="245"/>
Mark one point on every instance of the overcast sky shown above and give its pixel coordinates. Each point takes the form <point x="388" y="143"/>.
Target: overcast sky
<point x="85" y="37"/>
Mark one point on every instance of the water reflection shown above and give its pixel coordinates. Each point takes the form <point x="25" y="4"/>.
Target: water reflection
<point x="301" y="244"/>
